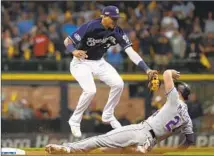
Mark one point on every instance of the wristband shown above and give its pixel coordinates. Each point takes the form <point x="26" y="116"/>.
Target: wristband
<point x="70" y="48"/>
<point x="143" y="65"/>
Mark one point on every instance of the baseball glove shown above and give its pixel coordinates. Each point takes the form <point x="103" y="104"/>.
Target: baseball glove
<point x="154" y="82"/>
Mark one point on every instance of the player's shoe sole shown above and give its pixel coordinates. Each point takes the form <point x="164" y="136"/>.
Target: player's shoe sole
<point x="57" y="149"/>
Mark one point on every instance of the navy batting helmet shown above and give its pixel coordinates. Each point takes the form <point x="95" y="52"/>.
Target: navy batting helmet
<point x="183" y="88"/>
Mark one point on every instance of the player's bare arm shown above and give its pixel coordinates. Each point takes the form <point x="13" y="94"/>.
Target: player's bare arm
<point x="168" y="77"/>
<point x="70" y="47"/>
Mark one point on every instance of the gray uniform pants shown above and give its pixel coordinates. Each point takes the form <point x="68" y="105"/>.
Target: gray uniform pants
<point x="135" y="134"/>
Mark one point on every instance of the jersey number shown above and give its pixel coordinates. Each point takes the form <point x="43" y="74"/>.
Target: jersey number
<point x="170" y="125"/>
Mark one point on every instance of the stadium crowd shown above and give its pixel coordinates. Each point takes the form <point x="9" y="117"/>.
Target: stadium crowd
<point x="161" y="32"/>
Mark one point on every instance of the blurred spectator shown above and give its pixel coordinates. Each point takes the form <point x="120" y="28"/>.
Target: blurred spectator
<point x="169" y="24"/>
<point x="27" y="110"/>
<point x="123" y="117"/>
<point x="188" y="24"/>
<point x="195" y="111"/>
<point x="209" y="23"/>
<point x="55" y="38"/>
<point x="8" y="48"/>
<point x="140" y="10"/>
<point x="153" y="12"/>
<point x="145" y="43"/>
<point x="25" y="24"/>
<point x="207" y="48"/>
<point x="43" y="112"/>
<point x="197" y="22"/>
<point x="69" y="26"/>
<point x="207" y="44"/>
<point x="136" y="46"/>
<point x="194" y="39"/>
<point x="95" y="113"/>
<point x="24" y="47"/>
<point x="20" y="110"/>
<point x="14" y="110"/>
<point x="162" y="49"/>
<point x="41" y="14"/>
<point x="40" y="44"/>
<point x="4" y="107"/>
<point x="182" y="10"/>
<point x="178" y="45"/>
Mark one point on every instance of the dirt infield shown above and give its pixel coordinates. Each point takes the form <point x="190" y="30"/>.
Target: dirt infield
<point x="156" y="152"/>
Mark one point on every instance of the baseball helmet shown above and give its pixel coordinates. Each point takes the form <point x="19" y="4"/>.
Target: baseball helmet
<point x="183" y="88"/>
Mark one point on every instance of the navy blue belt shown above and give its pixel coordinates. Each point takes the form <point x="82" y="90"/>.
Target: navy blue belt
<point x="152" y="133"/>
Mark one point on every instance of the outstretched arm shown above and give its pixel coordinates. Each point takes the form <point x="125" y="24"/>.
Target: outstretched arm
<point x="133" y="55"/>
<point x="168" y="77"/>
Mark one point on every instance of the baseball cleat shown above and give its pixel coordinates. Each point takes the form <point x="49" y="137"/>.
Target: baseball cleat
<point x="75" y="130"/>
<point x="57" y="149"/>
<point x="113" y="122"/>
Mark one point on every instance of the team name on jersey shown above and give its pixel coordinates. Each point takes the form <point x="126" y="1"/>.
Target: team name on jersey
<point x="92" y="42"/>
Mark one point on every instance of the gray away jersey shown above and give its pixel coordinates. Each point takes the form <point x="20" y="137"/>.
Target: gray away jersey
<point x="172" y="117"/>
<point x="93" y="38"/>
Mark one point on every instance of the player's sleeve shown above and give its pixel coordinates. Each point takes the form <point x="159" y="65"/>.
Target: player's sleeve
<point x="189" y="140"/>
<point x="187" y="130"/>
<point x="188" y="127"/>
<point x="172" y="96"/>
<point x="78" y="35"/>
<point x="123" y="39"/>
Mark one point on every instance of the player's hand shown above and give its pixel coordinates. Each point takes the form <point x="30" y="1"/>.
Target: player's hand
<point x="80" y="54"/>
<point x="175" y="74"/>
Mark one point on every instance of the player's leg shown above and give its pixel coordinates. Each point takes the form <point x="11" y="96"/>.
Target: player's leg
<point x="118" y="138"/>
<point x="110" y="76"/>
<point x="82" y="73"/>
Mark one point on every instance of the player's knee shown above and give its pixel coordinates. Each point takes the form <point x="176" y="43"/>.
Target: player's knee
<point x="119" y="85"/>
<point x="90" y="93"/>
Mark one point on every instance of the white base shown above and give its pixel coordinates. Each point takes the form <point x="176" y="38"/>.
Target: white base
<point x="12" y="151"/>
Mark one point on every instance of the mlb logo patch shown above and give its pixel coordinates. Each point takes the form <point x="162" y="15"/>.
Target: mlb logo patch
<point x="77" y="37"/>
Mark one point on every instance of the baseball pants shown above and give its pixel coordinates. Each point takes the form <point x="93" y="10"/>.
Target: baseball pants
<point x="83" y="71"/>
<point x="135" y="134"/>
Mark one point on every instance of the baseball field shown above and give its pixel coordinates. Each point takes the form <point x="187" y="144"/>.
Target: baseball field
<point x="208" y="151"/>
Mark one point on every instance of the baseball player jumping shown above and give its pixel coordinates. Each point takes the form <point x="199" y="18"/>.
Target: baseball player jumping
<point x="172" y="118"/>
<point x="88" y="45"/>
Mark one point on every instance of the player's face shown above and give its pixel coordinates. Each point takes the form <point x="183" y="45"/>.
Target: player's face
<point x="109" y="22"/>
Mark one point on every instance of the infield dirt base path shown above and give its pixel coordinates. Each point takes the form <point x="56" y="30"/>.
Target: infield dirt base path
<point x="156" y="152"/>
